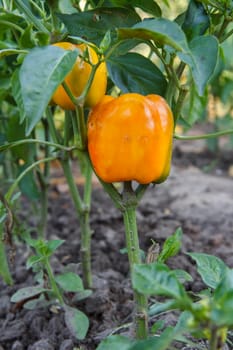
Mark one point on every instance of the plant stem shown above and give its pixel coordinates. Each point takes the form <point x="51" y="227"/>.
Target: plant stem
<point x="22" y="142"/>
<point x="19" y="178"/>
<point x="82" y="209"/>
<point x="133" y="249"/>
<point x="53" y="282"/>
<point x="213" y="342"/>
<point x="43" y="180"/>
<point x="4" y="269"/>
<point x="86" y="230"/>
<point x="204" y="136"/>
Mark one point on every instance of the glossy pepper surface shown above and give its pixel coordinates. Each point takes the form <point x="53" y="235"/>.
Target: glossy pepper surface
<point x="78" y="77"/>
<point x="130" y="138"/>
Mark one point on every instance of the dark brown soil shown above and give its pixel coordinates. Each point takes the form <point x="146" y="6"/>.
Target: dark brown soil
<point x="199" y="202"/>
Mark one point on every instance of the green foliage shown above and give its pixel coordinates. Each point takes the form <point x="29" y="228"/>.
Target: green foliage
<point x="171" y="246"/>
<point x="210" y="268"/>
<point x="77" y="322"/>
<point x="185" y="60"/>
<point x="157" y="278"/>
<point x="161" y="30"/>
<point x="50" y="64"/>
<point x="135" y="73"/>
<point x="196" y="20"/>
<point x="115" y="342"/>
<point x="70" y="282"/>
<point x="93" y="24"/>
<point x="27" y="292"/>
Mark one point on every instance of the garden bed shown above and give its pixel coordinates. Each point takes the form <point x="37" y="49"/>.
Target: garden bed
<point x="197" y="201"/>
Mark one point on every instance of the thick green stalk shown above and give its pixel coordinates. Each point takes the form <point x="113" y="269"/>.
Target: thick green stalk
<point x="86" y="230"/>
<point x="213" y="342"/>
<point x="133" y="249"/>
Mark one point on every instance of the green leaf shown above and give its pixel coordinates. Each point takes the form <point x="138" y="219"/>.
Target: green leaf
<point x="135" y="73"/>
<point x="202" y="60"/>
<point x="70" y="282"/>
<point x="222" y="302"/>
<point x="28" y="185"/>
<point x="160" y="308"/>
<point x="196" y="20"/>
<point x="171" y="246"/>
<point x="124" y="47"/>
<point x="183" y="276"/>
<point x="162" y="31"/>
<point x="16" y="131"/>
<point x="115" y="342"/>
<point x="92" y="25"/>
<point x="32" y="260"/>
<point x="17" y="94"/>
<point x="162" y="342"/>
<point x="77" y="322"/>
<point x="225" y="285"/>
<point x="43" y="69"/>
<point x="157" y="279"/>
<point x="53" y="244"/>
<point x="210" y="268"/>
<point x="27" y="292"/>
<point x="195" y="110"/>
<point x="83" y="294"/>
<point x="6" y="18"/>
<point x="149" y="6"/>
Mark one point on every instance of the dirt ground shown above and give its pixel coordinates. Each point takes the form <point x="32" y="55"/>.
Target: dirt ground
<point x="197" y="197"/>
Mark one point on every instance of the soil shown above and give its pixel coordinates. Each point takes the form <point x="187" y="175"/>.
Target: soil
<point x="197" y="197"/>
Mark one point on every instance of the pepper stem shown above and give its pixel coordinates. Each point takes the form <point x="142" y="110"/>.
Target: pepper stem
<point x="133" y="249"/>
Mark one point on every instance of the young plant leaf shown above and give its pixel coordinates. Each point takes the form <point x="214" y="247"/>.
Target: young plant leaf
<point x="115" y="342"/>
<point x="162" y="342"/>
<point x="27" y="292"/>
<point x="157" y="279"/>
<point x="135" y="73"/>
<point x="77" y="322"/>
<point x="69" y="282"/>
<point x="183" y="276"/>
<point x="171" y="246"/>
<point x="162" y="31"/>
<point x="92" y="25"/>
<point x="53" y="244"/>
<point x="43" y="69"/>
<point x="223" y="296"/>
<point x="32" y="260"/>
<point x="210" y="268"/>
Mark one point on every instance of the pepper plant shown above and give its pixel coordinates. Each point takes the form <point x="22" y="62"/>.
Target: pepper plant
<point x="181" y="56"/>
